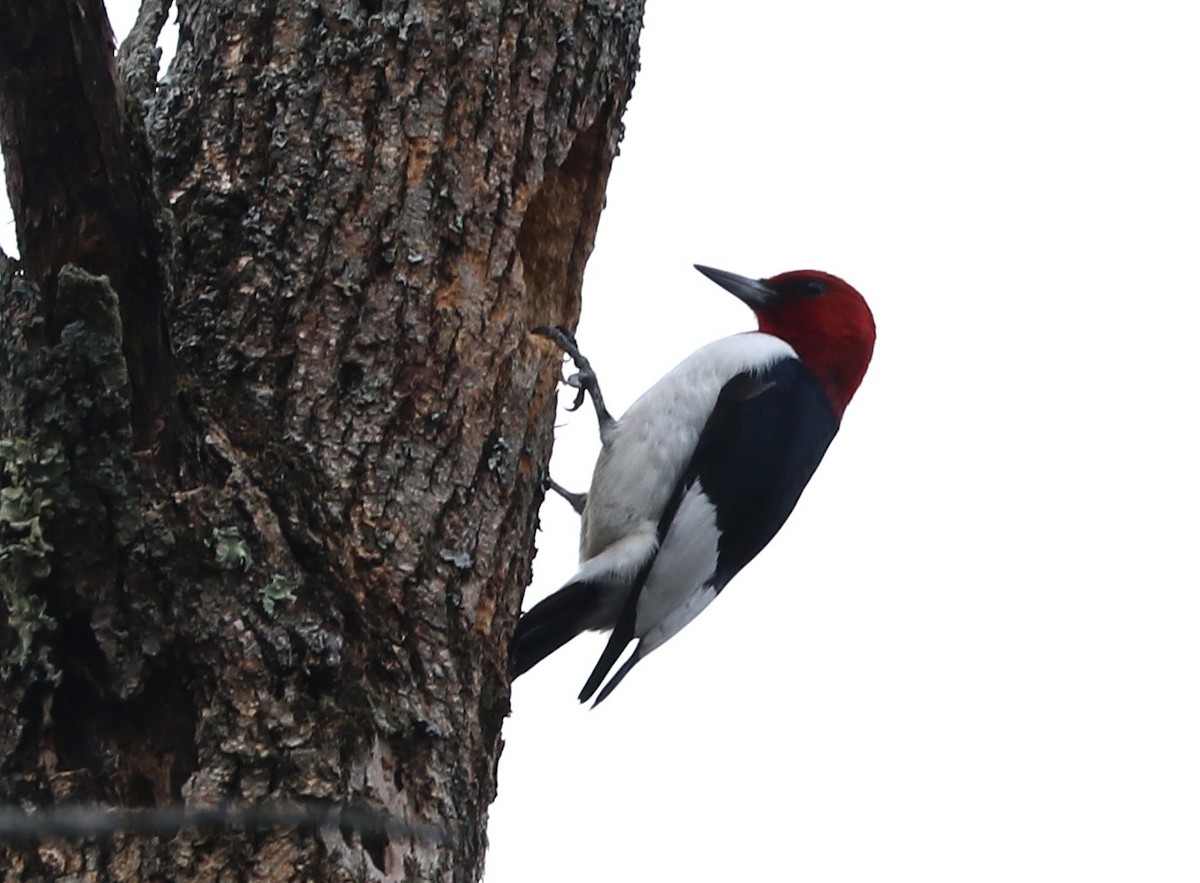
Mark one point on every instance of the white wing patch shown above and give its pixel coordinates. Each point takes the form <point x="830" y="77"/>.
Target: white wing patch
<point x="677" y="587"/>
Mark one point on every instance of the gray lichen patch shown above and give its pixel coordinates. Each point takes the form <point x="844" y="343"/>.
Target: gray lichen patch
<point x="280" y="588"/>
<point x="231" y="549"/>
<point x="68" y="480"/>
<point x="33" y="480"/>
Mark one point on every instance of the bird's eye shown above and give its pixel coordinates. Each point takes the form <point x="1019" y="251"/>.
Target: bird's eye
<point x="814" y="286"/>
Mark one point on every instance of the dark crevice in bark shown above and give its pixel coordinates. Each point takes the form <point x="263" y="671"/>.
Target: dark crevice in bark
<point x="144" y="747"/>
<point x="555" y="237"/>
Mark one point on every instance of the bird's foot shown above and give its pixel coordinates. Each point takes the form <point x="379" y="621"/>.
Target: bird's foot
<point x="574" y="500"/>
<point x="584" y="379"/>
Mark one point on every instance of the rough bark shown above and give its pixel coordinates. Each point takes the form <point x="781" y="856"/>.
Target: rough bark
<point x="285" y="562"/>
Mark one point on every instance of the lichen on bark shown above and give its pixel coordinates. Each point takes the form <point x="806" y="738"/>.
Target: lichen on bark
<point x="67" y="466"/>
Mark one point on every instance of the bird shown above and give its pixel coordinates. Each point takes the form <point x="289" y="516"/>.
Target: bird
<point x="702" y="471"/>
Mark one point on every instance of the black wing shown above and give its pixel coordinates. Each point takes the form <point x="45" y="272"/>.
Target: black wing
<point x="756" y="454"/>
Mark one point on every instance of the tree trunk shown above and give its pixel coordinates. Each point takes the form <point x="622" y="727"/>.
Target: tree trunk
<point x="269" y="489"/>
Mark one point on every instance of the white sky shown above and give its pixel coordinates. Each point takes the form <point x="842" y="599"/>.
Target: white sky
<point x="973" y="653"/>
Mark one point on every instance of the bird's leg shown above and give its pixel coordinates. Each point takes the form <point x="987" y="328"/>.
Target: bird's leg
<point x="584" y="379"/>
<point x="575" y="501"/>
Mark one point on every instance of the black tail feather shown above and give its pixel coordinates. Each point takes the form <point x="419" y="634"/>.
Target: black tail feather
<point x="551" y="623"/>
<point x="617" y="642"/>
<point x="617" y="678"/>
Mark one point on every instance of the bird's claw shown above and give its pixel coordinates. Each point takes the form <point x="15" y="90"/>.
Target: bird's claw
<point x="580" y="381"/>
<point x="584" y="379"/>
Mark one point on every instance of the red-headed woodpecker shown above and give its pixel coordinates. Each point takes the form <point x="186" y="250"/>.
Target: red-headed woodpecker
<point x="703" y="470"/>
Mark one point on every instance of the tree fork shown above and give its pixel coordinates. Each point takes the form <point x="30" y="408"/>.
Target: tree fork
<point x="78" y="182"/>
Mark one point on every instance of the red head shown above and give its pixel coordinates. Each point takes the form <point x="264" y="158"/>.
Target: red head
<point x="827" y="323"/>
